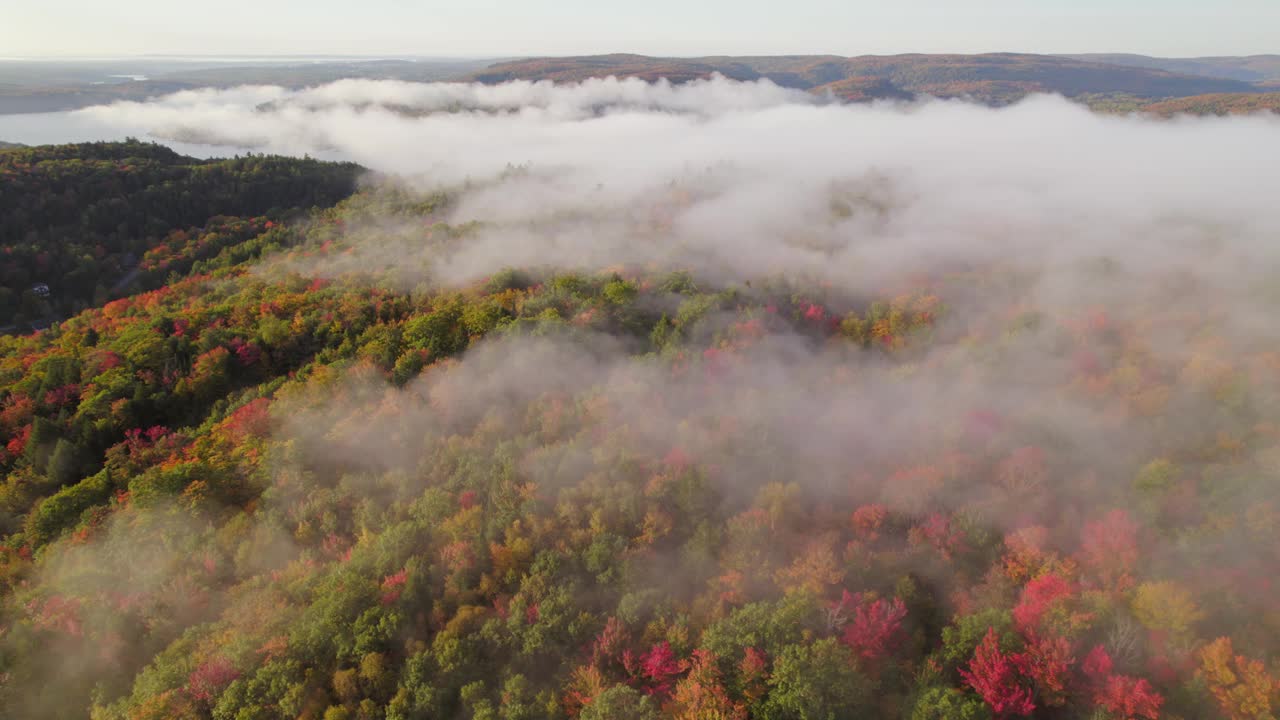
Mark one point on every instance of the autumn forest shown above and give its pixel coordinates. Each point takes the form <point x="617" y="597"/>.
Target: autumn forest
<point x="856" y="423"/>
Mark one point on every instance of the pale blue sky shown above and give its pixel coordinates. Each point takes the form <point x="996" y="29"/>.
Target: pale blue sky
<point x="674" y="27"/>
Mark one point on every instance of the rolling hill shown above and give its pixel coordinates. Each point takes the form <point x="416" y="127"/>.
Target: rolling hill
<point x="1251" y="68"/>
<point x="992" y="78"/>
<point x="995" y="79"/>
<point x="1217" y="104"/>
<point x="275" y="482"/>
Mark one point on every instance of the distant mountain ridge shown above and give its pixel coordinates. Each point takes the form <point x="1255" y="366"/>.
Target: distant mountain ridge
<point x="1250" y="68"/>
<point x="995" y="78"/>
<point x="1112" y="82"/>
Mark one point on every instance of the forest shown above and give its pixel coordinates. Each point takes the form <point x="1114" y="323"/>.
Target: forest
<point x="260" y="466"/>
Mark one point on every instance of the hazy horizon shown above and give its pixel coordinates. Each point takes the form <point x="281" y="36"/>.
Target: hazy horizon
<point x="500" y="28"/>
<point x="329" y="57"/>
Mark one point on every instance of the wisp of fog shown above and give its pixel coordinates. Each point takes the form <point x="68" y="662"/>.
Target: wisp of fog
<point x="746" y="179"/>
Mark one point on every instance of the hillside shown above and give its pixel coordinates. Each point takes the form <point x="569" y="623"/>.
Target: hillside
<point x="1251" y="69"/>
<point x="300" y="475"/>
<point x="995" y="78"/>
<point x="82" y="224"/>
<point x="1217" y="104"/>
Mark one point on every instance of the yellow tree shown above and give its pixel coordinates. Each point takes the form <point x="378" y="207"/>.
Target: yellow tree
<point x="701" y="695"/>
<point x="1242" y="686"/>
<point x="1168" y="607"/>
<point x="816" y="568"/>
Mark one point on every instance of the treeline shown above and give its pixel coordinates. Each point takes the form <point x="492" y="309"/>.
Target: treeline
<point x="75" y="220"/>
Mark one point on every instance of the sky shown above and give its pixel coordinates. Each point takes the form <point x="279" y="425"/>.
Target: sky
<point x="493" y="28"/>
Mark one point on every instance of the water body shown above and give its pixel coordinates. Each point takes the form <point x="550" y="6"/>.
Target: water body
<point x="74" y="127"/>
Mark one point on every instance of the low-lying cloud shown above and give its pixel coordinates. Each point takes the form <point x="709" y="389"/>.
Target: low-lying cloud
<point x="738" y="181"/>
<point x="741" y="180"/>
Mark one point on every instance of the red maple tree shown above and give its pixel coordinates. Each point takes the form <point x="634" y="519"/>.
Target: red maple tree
<point x="997" y="677"/>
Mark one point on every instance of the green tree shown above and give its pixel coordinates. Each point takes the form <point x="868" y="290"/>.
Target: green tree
<point x="817" y="682"/>
<point x="620" y="702"/>
<point x="64" y="463"/>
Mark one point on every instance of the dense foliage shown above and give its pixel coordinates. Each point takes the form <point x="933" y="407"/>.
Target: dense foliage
<point x="1218" y="104"/>
<point x="271" y="490"/>
<point x="78" y="219"/>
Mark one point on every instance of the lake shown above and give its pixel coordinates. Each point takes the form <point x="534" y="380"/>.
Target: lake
<point x="72" y="127"/>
